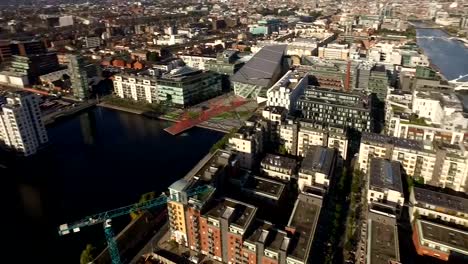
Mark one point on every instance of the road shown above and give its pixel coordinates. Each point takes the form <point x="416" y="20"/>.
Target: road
<point x="152" y="243"/>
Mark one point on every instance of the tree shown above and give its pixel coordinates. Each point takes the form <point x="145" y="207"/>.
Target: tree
<point x="87" y="255"/>
<point x="153" y="56"/>
<point x="282" y="150"/>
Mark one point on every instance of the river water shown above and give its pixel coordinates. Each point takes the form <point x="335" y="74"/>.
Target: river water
<point x="98" y="160"/>
<point x="450" y="56"/>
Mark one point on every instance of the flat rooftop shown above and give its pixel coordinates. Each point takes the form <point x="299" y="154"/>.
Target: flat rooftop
<point x="304" y="220"/>
<point x="238" y="213"/>
<point x="454" y="239"/>
<point x="264" y="186"/>
<point x="206" y="170"/>
<point x="289" y="80"/>
<point x="382" y="238"/>
<point x="318" y="159"/>
<point x="439" y="199"/>
<point x="368" y="137"/>
<point x="279" y="161"/>
<point x="385" y="174"/>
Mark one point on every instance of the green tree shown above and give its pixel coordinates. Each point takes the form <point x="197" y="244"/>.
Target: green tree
<point x="87" y="255"/>
<point x="153" y="56"/>
<point x="282" y="150"/>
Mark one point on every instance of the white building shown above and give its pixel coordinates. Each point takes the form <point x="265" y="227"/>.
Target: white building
<point x="317" y="167"/>
<point x="287" y="90"/>
<point x="65" y="21"/>
<point x="248" y="143"/>
<point x="438" y="164"/>
<point x="280" y="167"/>
<point x="384" y="185"/>
<point x="21" y="126"/>
<point x="170" y="40"/>
<point x="14" y="79"/>
<point x="197" y="62"/>
<point x="334" y="52"/>
<point x="136" y="87"/>
<point x="426" y="116"/>
<point x="299" y="136"/>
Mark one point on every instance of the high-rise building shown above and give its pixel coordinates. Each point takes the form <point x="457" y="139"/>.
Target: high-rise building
<point x="26" y="48"/>
<point x="21" y="126"/>
<point x="5" y="50"/>
<point x="338" y="109"/>
<point x="248" y="143"/>
<point x="379" y="82"/>
<point x="78" y="76"/>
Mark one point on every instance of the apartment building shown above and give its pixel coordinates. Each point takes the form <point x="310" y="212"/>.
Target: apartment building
<point x="223" y="229"/>
<point x="382" y="239"/>
<point x="280" y="167"/>
<point x="298" y="136"/>
<point x="21" y="126"/>
<point x="439" y="241"/>
<point x="267" y="244"/>
<point x="433" y="204"/>
<point x="142" y="88"/>
<point x="186" y="86"/>
<point x="437" y="164"/>
<point x="337" y="109"/>
<point x="384" y="185"/>
<point x="287" y="90"/>
<point x="317" y="167"/>
<point x="334" y="52"/>
<point x="248" y="143"/>
<point x="197" y="62"/>
<point x="431" y="122"/>
<point x="274" y="116"/>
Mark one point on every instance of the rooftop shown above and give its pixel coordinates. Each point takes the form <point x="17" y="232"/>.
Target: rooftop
<point x="385" y="174"/>
<point x="440" y="199"/>
<point x="318" y="159"/>
<point x="454" y="239"/>
<point x="398" y="142"/>
<point x="237" y="213"/>
<point x="279" y="161"/>
<point x="289" y="80"/>
<point x="332" y="96"/>
<point x="383" y="239"/>
<point x="261" y="68"/>
<point x="304" y="220"/>
<point x="264" y="186"/>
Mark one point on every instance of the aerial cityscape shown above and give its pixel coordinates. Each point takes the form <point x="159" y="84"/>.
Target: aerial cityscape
<point x="234" y="131"/>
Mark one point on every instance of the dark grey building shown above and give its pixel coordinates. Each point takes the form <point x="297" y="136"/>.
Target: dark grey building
<point x="336" y="108"/>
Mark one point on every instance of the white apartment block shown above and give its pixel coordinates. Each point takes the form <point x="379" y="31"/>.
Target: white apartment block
<point x="298" y="137"/>
<point x="441" y="117"/>
<point x="287" y="90"/>
<point x="317" y="167"/>
<point x="384" y="185"/>
<point x="436" y="163"/>
<point x="438" y="205"/>
<point x="197" y="62"/>
<point x="21" y="126"/>
<point x="138" y="88"/>
<point x="334" y="52"/>
<point x="248" y="143"/>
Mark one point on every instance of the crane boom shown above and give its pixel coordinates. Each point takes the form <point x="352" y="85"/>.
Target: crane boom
<point x="105" y="218"/>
